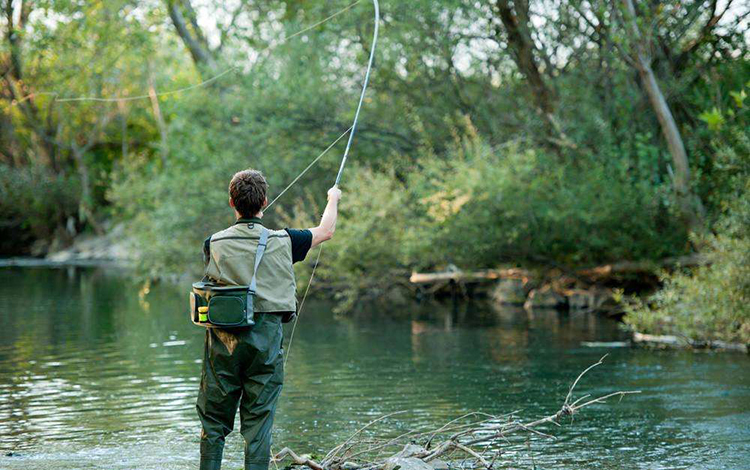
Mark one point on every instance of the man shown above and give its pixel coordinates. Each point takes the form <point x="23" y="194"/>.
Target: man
<point x="244" y="366"/>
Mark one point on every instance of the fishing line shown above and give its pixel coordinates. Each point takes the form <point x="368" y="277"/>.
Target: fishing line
<point x="195" y="85"/>
<point x="312" y="163"/>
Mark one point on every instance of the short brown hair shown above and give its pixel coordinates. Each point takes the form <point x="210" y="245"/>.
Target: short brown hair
<point x="248" y="192"/>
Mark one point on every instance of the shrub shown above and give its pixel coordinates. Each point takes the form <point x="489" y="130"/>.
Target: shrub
<point x="488" y="206"/>
<point x="34" y="202"/>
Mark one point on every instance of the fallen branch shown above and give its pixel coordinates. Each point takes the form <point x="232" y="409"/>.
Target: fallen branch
<point x="296" y="459"/>
<point x="457" y="275"/>
<point x="482" y="435"/>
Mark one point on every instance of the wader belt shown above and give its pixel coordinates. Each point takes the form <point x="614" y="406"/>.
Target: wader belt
<point x="249" y="307"/>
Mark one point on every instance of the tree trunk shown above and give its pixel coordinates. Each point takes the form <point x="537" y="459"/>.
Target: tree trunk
<point x="190" y="33"/>
<point x="690" y="206"/>
<point x="515" y="19"/>
<point x="86" y="204"/>
<point x="164" y="147"/>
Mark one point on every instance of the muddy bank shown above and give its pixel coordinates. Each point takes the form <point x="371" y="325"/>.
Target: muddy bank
<point x="109" y="249"/>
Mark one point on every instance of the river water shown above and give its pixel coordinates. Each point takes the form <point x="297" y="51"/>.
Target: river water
<point x="95" y="376"/>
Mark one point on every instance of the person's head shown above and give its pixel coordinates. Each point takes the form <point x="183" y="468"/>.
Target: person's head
<point x="247" y="192"/>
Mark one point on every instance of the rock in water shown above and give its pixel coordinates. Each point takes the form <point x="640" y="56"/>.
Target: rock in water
<point x="509" y="292"/>
<point x="544" y="298"/>
<point x="438" y="464"/>
<point x="409" y="450"/>
<point x="411" y="463"/>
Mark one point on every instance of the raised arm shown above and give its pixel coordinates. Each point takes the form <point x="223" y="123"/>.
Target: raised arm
<point x="327" y="226"/>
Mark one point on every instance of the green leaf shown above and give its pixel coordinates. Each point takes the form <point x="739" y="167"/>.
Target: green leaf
<point x="739" y="97"/>
<point x="714" y="119"/>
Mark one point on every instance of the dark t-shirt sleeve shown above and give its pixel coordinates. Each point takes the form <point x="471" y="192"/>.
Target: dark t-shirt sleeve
<point x="301" y="241"/>
<point x="206" y="250"/>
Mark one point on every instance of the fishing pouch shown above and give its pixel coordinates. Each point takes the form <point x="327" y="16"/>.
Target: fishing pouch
<point x="220" y="306"/>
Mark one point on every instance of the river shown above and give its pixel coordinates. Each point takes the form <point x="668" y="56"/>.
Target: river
<point x="95" y="376"/>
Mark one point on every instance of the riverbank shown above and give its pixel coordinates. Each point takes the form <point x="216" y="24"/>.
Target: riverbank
<point x="110" y="247"/>
<point x="597" y="289"/>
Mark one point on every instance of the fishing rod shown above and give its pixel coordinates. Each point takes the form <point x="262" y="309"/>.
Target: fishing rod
<point x="341" y="169"/>
<point x="362" y="95"/>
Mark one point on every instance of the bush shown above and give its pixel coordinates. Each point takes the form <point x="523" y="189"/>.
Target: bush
<point x="710" y="302"/>
<point x="34" y="202"/>
<point x="369" y="252"/>
<point x="483" y="207"/>
<point x="488" y="206"/>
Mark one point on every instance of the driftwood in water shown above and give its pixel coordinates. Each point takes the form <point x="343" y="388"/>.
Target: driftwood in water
<point x="477" y="438"/>
<point x="677" y="342"/>
<point x="589" y="289"/>
<point x="597" y="272"/>
<point x="456" y="275"/>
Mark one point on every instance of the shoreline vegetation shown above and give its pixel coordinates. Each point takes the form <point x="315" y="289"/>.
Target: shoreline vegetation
<point x="596" y="153"/>
<point x="598" y="290"/>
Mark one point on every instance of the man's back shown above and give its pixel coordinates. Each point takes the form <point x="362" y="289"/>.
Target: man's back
<point x="230" y="261"/>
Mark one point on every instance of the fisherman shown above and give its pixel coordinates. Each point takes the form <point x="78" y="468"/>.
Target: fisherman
<point x="244" y="366"/>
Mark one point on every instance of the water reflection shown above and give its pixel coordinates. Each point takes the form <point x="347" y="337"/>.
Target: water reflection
<point x="89" y="378"/>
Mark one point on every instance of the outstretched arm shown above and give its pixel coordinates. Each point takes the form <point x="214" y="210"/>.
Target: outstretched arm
<point x="327" y="226"/>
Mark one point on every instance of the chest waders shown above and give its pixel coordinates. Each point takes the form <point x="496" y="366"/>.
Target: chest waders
<point x="247" y="290"/>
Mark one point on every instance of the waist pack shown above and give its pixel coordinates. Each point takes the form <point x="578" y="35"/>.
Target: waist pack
<point x="215" y="305"/>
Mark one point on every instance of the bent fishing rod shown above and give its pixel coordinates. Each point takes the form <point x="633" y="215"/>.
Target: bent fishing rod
<point x="341" y="168"/>
<point x="362" y="95"/>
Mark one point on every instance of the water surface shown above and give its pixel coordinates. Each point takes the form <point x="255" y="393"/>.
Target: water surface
<point x="95" y="376"/>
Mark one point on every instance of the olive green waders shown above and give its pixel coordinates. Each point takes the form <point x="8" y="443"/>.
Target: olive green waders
<point x="242" y="367"/>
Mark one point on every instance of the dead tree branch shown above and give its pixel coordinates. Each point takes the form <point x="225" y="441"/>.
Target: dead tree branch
<point x="482" y="436"/>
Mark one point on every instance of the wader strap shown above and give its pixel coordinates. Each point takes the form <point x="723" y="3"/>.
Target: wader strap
<point x="253" y="281"/>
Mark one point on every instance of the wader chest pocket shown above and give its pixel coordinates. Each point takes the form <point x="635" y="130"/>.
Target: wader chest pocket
<point x="226" y="311"/>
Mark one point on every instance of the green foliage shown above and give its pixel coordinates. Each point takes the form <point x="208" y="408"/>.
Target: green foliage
<point x="36" y="200"/>
<point x="519" y="205"/>
<point x="711" y="301"/>
<point x="714" y="119"/>
<point x="485" y="206"/>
